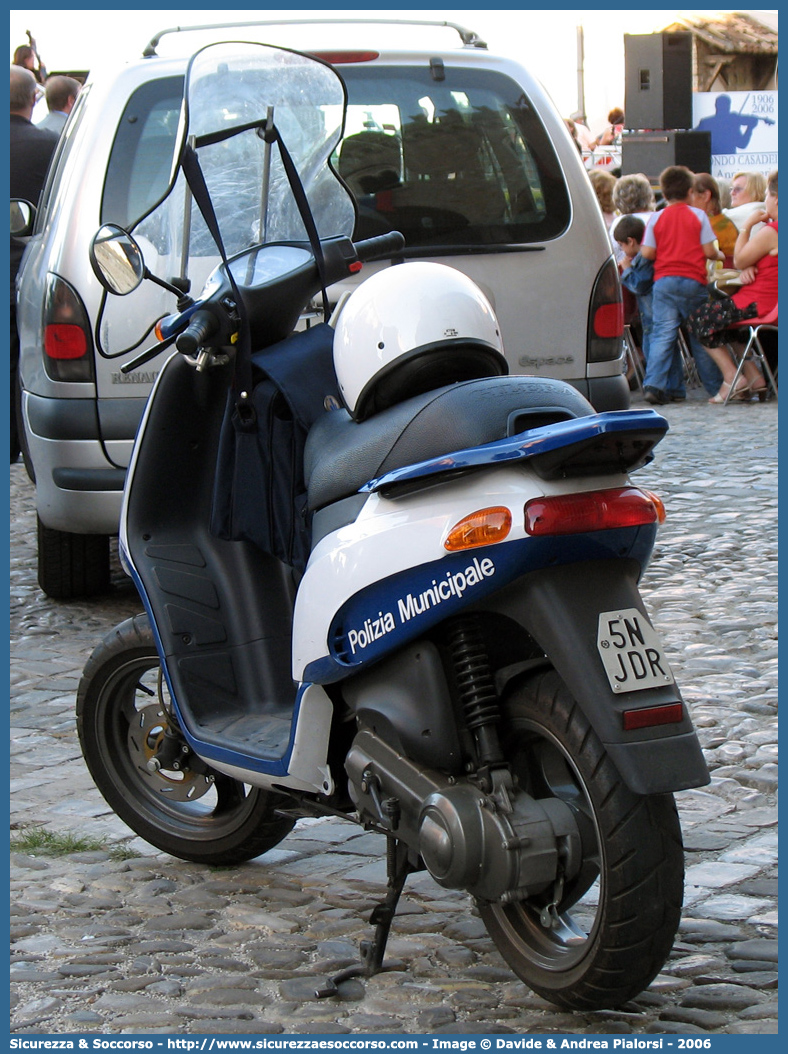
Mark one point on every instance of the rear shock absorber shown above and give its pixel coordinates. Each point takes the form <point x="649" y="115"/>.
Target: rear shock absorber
<point x="476" y="687"/>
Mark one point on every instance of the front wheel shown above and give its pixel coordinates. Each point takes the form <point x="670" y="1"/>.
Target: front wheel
<point x="190" y="811"/>
<point x="600" y="937"/>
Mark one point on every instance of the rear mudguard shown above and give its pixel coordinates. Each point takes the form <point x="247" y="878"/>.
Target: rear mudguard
<point x="560" y="608"/>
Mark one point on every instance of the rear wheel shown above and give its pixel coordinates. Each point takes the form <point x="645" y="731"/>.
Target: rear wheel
<point x="191" y="811"/>
<point x="602" y="937"/>
<point x="72" y="565"/>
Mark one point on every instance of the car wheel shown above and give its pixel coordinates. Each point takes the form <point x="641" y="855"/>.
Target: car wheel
<point x="72" y="565"/>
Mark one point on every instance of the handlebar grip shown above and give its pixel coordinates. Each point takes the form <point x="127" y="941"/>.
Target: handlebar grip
<point x="383" y="245"/>
<point x="202" y="326"/>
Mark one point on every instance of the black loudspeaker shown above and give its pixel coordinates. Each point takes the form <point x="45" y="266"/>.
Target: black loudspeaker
<point x="650" y="152"/>
<point x="658" y="80"/>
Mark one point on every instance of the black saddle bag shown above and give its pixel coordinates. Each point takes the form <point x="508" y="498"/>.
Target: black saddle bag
<point x="259" y="489"/>
<point x="277" y="394"/>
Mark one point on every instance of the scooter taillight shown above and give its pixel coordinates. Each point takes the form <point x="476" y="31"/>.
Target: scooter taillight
<point x="597" y="510"/>
<point x="68" y="347"/>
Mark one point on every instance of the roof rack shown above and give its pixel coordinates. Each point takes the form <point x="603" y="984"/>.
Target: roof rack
<point x="469" y="37"/>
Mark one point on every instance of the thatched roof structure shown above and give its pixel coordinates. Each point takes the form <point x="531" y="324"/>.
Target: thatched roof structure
<point x="737" y="33"/>
<point x="734" y="51"/>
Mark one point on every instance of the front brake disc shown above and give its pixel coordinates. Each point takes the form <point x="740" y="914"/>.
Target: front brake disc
<point x="144" y="739"/>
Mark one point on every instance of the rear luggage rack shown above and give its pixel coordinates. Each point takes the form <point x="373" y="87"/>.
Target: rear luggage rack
<point x="597" y="445"/>
<point x="469" y="37"/>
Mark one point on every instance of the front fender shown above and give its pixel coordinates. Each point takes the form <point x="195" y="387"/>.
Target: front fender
<point x="560" y="608"/>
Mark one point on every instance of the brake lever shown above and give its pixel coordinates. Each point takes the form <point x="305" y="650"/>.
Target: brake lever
<point x="146" y="356"/>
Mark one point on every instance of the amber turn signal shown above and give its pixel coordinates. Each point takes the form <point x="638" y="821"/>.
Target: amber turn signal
<point x="484" y="527"/>
<point x="659" y="504"/>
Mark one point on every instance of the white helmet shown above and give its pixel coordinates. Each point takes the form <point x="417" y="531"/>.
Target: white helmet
<point x="410" y="328"/>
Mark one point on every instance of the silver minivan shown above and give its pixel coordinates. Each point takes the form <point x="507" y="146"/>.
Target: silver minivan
<point x="460" y="150"/>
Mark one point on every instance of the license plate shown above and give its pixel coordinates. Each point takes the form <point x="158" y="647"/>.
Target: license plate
<point x="631" y="651"/>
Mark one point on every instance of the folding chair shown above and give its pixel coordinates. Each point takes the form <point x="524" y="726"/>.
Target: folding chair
<point x="754" y="350"/>
<point x="633" y="356"/>
<point x="635" y="361"/>
<point x="691" y="376"/>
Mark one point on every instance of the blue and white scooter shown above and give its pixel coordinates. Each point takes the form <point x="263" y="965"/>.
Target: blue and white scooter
<point x="459" y="658"/>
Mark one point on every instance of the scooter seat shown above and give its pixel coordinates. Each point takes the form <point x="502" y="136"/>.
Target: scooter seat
<point x="342" y="455"/>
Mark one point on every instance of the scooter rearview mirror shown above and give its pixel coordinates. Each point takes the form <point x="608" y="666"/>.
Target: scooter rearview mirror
<point x="116" y="260"/>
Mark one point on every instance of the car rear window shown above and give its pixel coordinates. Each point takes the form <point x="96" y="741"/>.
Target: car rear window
<point x="139" y="165"/>
<point x="450" y="157"/>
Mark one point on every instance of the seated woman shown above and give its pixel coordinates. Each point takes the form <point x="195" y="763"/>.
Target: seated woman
<point x="756" y="256"/>
<point x="613" y="129"/>
<point x="604" y="183"/>
<point x="705" y="195"/>
<point x="632" y="196"/>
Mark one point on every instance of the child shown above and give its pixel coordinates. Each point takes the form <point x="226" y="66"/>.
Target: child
<point x="678" y="240"/>
<point x="637" y="276"/>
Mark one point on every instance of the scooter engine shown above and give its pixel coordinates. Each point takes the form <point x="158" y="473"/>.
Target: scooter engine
<point x="499" y="845"/>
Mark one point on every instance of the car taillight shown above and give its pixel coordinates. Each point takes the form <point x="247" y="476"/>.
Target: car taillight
<point x="340" y="58"/>
<point x="597" y="510"/>
<point x="606" y="318"/>
<point x="68" y="345"/>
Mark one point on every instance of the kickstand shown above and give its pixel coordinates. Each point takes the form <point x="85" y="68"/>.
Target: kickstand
<point x="398" y="868"/>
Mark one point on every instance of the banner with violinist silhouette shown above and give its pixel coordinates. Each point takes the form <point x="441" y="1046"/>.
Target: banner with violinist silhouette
<point x="743" y="126"/>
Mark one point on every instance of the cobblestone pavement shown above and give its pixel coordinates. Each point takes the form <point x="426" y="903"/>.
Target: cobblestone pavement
<point x="150" y="944"/>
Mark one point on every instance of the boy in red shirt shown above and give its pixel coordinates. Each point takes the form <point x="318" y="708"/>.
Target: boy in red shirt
<point x="679" y="240"/>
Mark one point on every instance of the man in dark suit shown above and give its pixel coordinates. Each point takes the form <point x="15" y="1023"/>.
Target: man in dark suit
<point x="31" y="152"/>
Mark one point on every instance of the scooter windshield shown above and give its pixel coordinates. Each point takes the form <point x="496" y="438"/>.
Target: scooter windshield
<point x="231" y="89"/>
<point x="233" y="92"/>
